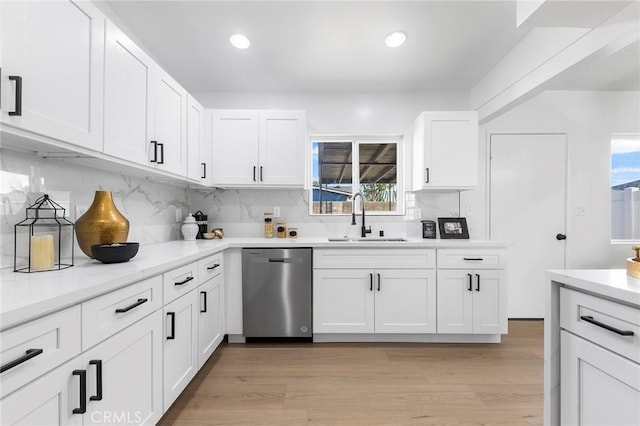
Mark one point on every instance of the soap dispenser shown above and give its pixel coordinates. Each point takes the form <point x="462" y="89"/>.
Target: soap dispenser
<point x="189" y="228"/>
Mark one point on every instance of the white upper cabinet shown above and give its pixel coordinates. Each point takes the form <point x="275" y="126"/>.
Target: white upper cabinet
<point x="127" y="98"/>
<point x="445" y="150"/>
<point x="52" y="70"/>
<point x="198" y="148"/>
<point x="169" y="139"/>
<point x="265" y="148"/>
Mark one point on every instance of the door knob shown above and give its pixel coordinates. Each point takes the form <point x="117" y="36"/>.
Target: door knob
<point x="561" y="237"/>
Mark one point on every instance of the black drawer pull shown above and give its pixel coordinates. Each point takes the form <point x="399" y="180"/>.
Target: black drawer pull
<point x="30" y="353"/>
<point x="98" y="395"/>
<point x="477" y="259"/>
<point x="204" y="307"/>
<point x="186" y="280"/>
<point x="370" y="282"/>
<point x="209" y="268"/>
<point x="470" y="287"/>
<point x="478" y="282"/>
<point x="83" y="391"/>
<point x="589" y="319"/>
<point x="18" y="108"/>
<point x="130" y="307"/>
<point x="173" y="326"/>
<point x="378" y="281"/>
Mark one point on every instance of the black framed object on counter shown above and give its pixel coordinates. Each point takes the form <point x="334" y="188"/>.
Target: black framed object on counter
<point x="453" y="228"/>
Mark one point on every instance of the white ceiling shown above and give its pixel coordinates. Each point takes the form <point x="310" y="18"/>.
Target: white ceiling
<point x="328" y="46"/>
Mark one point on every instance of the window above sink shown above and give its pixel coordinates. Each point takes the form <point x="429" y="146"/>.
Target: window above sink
<point x="343" y="166"/>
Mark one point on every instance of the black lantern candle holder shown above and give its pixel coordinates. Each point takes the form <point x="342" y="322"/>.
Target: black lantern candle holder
<point x="41" y="237"/>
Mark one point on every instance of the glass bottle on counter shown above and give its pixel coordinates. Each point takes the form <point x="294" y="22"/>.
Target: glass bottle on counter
<point x="281" y="228"/>
<point x="268" y="225"/>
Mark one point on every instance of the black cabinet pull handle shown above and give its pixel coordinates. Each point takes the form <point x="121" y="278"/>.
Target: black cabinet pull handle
<point x="209" y="268"/>
<point x="130" y="307"/>
<point x="428" y="177"/>
<point x="83" y="391"/>
<point x="186" y="280"/>
<point x="204" y="171"/>
<point x="476" y="259"/>
<point x="30" y="353"/>
<point x="18" y="108"/>
<point x="378" y="281"/>
<point x="161" y="145"/>
<point x="254" y="173"/>
<point x="155" y="152"/>
<point x="561" y="237"/>
<point x="173" y="325"/>
<point x="370" y="282"/>
<point x="261" y="174"/>
<point x="589" y="319"/>
<point x="204" y="308"/>
<point x="470" y="287"/>
<point x="98" y="395"/>
<point x="477" y="282"/>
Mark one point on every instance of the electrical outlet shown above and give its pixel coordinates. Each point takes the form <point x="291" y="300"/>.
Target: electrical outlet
<point x="178" y="215"/>
<point x="276" y="212"/>
<point x="80" y="210"/>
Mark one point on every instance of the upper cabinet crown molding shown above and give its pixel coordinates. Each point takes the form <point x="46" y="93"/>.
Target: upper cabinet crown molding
<point x="260" y="148"/>
<point x="52" y="70"/>
<point x="445" y="150"/>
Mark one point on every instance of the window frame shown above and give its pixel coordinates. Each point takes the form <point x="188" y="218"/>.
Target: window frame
<point x="614" y="136"/>
<point x="355" y="141"/>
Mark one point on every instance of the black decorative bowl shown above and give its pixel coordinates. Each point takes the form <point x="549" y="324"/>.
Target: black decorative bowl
<point x="114" y="252"/>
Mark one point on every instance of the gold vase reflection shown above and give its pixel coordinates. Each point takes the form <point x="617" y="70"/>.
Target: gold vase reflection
<point x="101" y="224"/>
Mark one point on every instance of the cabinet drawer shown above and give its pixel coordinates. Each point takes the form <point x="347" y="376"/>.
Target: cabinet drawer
<point x="112" y="312"/>
<point x="56" y="335"/>
<point x="179" y="281"/>
<point x="472" y="258"/>
<point x="601" y="321"/>
<point x="375" y="258"/>
<point x="210" y="267"/>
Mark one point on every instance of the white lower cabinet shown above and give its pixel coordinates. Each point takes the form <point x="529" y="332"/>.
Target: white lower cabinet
<point x="470" y="301"/>
<point x="180" y="345"/>
<point x="211" y="317"/>
<point x="118" y="381"/>
<point x="374" y="301"/>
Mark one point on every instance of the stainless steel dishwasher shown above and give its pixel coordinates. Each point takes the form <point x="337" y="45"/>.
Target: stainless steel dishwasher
<point x="276" y="292"/>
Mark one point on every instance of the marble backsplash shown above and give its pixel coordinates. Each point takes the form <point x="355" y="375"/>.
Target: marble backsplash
<point x="151" y="205"/>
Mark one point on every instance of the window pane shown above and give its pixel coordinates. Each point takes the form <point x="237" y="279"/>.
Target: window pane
<point x="332" y="177"/>
<point x="625" y="184"/>
<point x="379" y="175"/>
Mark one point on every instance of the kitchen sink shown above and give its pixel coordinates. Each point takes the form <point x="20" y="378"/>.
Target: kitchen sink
<point x="366" y="240"/>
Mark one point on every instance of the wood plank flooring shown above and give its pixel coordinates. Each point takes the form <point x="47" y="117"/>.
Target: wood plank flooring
<point x="370" y="384"/>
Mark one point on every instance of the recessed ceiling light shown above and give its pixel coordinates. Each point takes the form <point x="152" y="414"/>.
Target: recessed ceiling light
<point x="395" y="39"/>
<point x="240" y="41"/>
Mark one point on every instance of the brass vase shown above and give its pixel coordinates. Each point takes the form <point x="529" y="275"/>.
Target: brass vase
<point x="101" y="224"/>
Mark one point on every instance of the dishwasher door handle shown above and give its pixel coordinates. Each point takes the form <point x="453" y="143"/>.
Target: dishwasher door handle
<point x="276" y="260"/>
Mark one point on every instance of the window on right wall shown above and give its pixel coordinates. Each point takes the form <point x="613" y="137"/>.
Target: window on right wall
<point x="625" y="187"/>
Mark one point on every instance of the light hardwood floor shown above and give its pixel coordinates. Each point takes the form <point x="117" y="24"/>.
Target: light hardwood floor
<point x="370" y="384"/>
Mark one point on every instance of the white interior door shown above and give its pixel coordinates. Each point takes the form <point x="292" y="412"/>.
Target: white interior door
<point x="527" y="208"/>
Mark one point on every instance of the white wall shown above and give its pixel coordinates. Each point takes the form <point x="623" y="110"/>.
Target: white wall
<point x="588" y="118"/>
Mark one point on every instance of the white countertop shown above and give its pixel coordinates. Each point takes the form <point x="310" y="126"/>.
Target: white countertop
<point x="611" y="283"/>
<point x="26" y="296"/>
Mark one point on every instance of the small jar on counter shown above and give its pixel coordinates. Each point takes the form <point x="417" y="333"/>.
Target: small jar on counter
<point x="281" y="228"/>
<point x="268" y="225"/>
<point x="293" y="232"/>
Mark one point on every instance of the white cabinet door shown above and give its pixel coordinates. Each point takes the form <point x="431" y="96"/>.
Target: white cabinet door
<point x="471" y="301"/>
<point x="180" y="345"/>
<point x="598" y="387"/>
<point x="124" y="375"/>
<point x="169" y="124"/>
<point x="127" y="98"/>
<point x="211" y="317"/>
<point x="446" y="150"/>
<point x="282" y="147"/>
<point x="455" y="301"/>
<point x="49" y="400"/>
<point x="55" y="50"/>
<point x="235" y="135"/>
<point x="198" y="150"/>
<point x="405" y="301"/>
<point x="343" y="301"/>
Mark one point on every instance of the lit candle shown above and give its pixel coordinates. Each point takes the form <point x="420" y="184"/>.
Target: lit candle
<point x="42" y="252"/>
